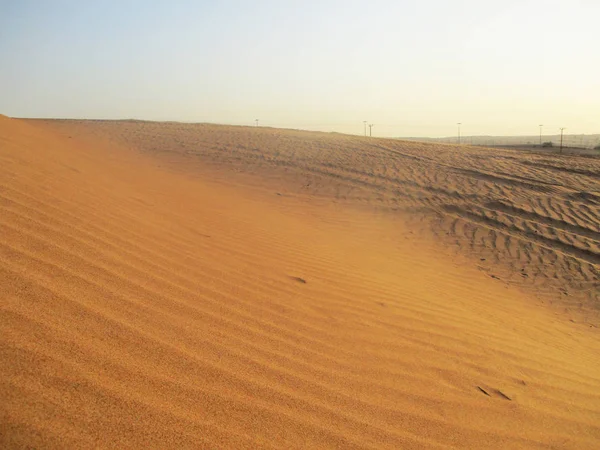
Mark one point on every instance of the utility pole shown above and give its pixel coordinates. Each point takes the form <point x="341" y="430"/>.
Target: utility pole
<point x="256" y="120"/>
<point x="561" y="138"/>
<point x="541" y="135"/>
<point x="365" y="124"/>
<point x="370" y="131"/>
<point x="459" y="124"/>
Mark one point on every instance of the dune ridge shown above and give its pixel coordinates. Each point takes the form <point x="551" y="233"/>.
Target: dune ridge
<point x="532" y="219"/>
<point x="142" y="306"/>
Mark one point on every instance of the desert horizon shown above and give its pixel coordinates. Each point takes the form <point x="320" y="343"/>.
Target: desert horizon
<point x="582" y="141"/>
<point x="195" y="285"/>
<point x="300" y="225"/>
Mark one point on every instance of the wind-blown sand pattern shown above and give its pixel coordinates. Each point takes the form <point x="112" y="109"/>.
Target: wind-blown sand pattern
<point x="532" y="219"/>
<point x="185" y="286"/>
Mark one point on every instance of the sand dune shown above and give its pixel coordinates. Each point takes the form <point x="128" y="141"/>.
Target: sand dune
<point x="531" y="219"/>
<point x="169" y="285"/>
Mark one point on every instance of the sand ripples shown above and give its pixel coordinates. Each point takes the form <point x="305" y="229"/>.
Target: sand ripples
<point x="145" y="308"/>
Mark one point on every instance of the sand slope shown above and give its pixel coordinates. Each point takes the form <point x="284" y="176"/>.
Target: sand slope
<point x="141" y="307"/>
<point x="531" y="219"/>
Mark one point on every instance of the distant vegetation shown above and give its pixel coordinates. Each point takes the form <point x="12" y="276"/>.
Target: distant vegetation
<point x="547" y="144"/>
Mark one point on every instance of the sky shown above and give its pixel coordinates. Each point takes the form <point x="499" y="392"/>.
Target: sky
<point x="410" y="68"/>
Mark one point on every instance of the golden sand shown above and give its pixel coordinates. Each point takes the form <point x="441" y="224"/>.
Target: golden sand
<point x="197" y="286"/>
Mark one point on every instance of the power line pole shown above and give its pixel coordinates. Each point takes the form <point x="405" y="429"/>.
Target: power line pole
<point x="459" y="124"/>
<point x="541" y="135"/>
<point x="561" y="138"/>
<point x="365" y="124"/>
<point x="370" y="131"/>
<point x="256" y="120"/>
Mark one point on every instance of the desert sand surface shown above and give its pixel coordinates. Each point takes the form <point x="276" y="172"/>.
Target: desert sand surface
<point x="171" y="285"/>
<point x="533" y="220"/>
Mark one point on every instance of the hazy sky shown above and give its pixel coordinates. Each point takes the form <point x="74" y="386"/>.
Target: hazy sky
<point x="413" y="68"/>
